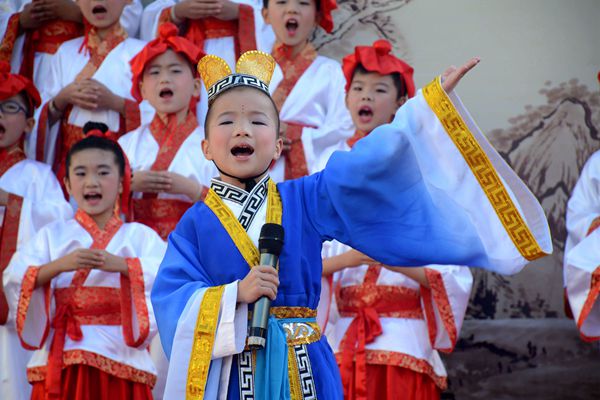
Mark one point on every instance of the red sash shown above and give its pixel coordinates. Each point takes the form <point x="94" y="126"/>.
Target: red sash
<point x="9" y="231"/>
<point x="77" y="305"/>
<point x="367" y="303"/>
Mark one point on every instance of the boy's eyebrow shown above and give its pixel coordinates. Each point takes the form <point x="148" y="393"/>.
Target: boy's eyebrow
<point x="173" y="64"/>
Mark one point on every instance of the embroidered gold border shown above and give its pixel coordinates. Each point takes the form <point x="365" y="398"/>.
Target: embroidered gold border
<point x="204" y="338"/>
<point x="482" y="168"/>
<point x="233" y="227"/>
<point x="294" y="375"/>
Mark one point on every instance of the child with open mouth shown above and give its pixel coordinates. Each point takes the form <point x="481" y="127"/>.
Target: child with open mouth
<point x="97" y="273"/>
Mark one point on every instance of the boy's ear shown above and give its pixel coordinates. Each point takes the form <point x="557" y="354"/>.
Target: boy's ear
<point x="197" y="87"/>
<point x="141" y="88"/>
<point x="265" y="15"/>
<point x="29" y="124"/>
<point x="67" y="185"/>
<point x="206" y="150"/>
<point x="401" y="101"/>
<point x="278" y="148"/>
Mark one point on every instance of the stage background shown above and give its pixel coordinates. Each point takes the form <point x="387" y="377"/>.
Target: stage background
<point x="536" y="95"/>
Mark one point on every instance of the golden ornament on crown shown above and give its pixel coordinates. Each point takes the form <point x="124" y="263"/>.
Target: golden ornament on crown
<point x="253" y="69"/>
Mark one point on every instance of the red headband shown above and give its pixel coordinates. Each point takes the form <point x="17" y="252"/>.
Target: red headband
<point x="167" y="39"/>
<point x="378" y="58"/>
<point x="13" y="84"/>
<point x="326" y="8"/>
<point x="126" y="195"/>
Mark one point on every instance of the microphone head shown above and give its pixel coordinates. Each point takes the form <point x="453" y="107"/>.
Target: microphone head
<point x="271" y="239"/>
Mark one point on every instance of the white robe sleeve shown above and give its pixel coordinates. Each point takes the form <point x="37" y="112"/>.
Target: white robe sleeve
<point x="150" y="16"/>
<point x="584" y="205"/>
<point x="583" y="285"/>
<point x="319" y="143"/>
<point x="445" y="303"/>
<point x="132" y="17"/>
<point x="32" y="304"/>
<point x="230" y="339"/>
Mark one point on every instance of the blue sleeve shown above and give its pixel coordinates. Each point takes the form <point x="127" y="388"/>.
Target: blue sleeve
<point x="179" y="276"/>
<point x="374" y="199"/>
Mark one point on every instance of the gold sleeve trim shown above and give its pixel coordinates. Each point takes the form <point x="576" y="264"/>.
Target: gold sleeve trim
<point x="204" y="338"/>
<point x="482" y="168"/>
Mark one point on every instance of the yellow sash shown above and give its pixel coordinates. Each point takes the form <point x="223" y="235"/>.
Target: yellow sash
<point x="208" y="315"/>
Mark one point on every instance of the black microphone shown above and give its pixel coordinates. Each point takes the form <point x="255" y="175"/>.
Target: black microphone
<point x="270" y="243"/>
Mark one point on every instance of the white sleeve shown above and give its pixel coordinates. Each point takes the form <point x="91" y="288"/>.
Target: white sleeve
<point x="319" y="143"/>
<point x="445" y="303"/>
<point x="150" y="16"/>
<point x="582" y="264"/>
<point x="131" y="17"/>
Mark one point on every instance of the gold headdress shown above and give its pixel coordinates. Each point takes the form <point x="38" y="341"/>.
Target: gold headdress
<point x="254" y="69"/>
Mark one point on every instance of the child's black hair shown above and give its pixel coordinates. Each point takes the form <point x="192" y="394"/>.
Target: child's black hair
<point x="97" y="142"/>
<point x="396" y="77"/>
<point x="317" y="3"/>
<point x="28" y="103"/>
<point x="278" y="126"/>
<point x="93" y="125"/>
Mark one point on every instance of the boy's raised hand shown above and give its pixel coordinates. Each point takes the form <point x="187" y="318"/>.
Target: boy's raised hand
<point x="113" y="263"/>
<point x="186" y="186"/>
<point x="82" y="258"/>
<point x="105" y="98"/>
<point x="262" y="280"/>
<point x="58" y="9"/>
<point x="77" y="95"/>
<point x="452" y="75"/>
<point x="197" y="9"/>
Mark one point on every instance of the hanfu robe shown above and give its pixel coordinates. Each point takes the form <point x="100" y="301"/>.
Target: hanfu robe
<point x="89" y="317"/>
<point x="29" y="53"/>
<point x="33" y="202"/>
<point x="309" y="94"/>
<point x="582" y="251"/>
<point x="105" y="60"/>
<point x="166" y="147"/>
<point x="226" y="39"/>
<point x="405" y="324"/>
<point x="408" y="194"/>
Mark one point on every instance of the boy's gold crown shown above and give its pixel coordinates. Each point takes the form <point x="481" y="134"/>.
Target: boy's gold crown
<point x="254" y="69"/>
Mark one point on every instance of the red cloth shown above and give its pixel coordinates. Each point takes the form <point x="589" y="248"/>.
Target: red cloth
<point x="167" y="39"/>
<point x="392" y="382"/>
<point x="82" y="382"/>
<point x="326" y="21"/>
<point x="378" y="58"/>
<point x="13" y="84"/>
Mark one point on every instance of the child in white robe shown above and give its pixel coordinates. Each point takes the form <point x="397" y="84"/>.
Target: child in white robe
<point x="30" y="197"/>
<point x="169" y="171"/>
<point x="308" y="90"/>
<point x="89" y="80"/>
<point x="387" y="324"/>
<point x="82" y="288"/>
<point x="223" y="28"/>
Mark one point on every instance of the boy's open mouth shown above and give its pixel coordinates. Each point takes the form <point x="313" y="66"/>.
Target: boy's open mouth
<point x="242" y="150"/>
<point x="2" y="129"/>
<point x="291" y="26"/>
<point x="365" y="113"/>
<point x="166" y="94"/>
<point x="99" y="10"/>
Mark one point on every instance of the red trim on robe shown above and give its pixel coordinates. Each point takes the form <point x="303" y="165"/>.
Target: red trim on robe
<point x="590" y="301"/>
<point x="10" y="36"/>
<point x="133" y="287"/>
<point x="9" y="235"/>
<point x="27" y="288"/>
<point x="293" y="69"/>
<point x="436" y="293"/>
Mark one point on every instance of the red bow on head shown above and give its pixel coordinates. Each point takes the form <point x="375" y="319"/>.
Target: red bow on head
<point x="126" y="195"/>
<point x="378" y="58"/>
<point x="13" y="84"/>
<point x="167" y="39"/>
<point x="327" y="7"/>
